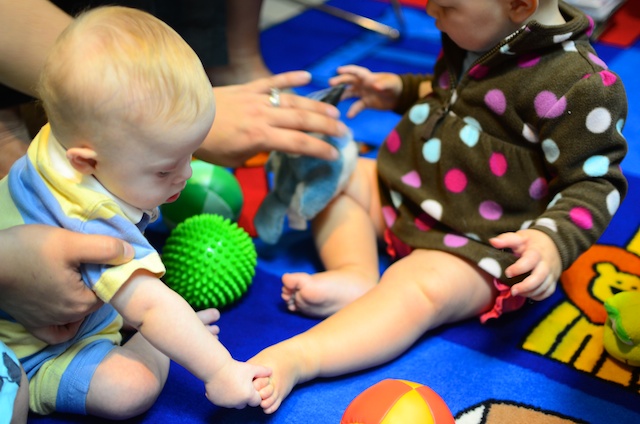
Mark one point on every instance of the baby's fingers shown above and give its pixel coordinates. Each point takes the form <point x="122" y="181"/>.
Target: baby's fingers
<point x="507" y="241"/>
<point x="526" y="263"/>
<point x="357" y="107"/>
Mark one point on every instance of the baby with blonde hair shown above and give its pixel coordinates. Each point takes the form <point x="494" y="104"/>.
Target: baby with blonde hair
<point x="128" y="103"/>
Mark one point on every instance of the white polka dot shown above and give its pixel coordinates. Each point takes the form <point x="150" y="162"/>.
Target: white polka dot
<point x="596" y="166"/>
<point x="433" y="208"/>
<point x="549" y="223"/>
<point x="598" y="120"/>
<point x="419" y="113"/>
<point x="529" y="133"/>
<point x="620" y="125"/>
<point x="569" y="46"/>
<point x="396" y="198"/>
<point x="555" y="200"/>
<point x="491" y="266"/>
<point x="551" y="150"/>
<point x="526" y="224"/>
<point x="561" y="38"/>
<point x="613" y="201"/>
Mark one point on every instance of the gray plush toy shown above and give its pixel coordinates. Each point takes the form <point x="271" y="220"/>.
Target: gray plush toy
<point x="303" y="185"/>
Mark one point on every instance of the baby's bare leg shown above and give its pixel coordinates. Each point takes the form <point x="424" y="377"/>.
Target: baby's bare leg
<point x="128" y="381"/>
<point x="416" y="294"/>
<point x="345" y="234"/>
<point x="130" y="378"/>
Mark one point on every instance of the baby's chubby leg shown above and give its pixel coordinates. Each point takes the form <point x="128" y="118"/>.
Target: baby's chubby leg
<point x="130" y="378"/>
<point x="345" y="234"/>
<point x="420" y="292"/>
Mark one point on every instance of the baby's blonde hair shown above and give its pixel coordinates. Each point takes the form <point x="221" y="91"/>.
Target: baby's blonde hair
<point x="117" y="66"/>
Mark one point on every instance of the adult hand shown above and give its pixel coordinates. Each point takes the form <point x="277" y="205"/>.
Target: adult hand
<point x="40" y="283"/>
<point x="246" y="123"/>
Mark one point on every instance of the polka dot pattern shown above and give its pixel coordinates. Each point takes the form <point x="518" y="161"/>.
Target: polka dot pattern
<point x="393" y="141"/>
<point x="496" y="101"/>
<point x="476" y="172"/>
<point x="598" y="120"/>
<point x="551" y="150"/>
<point x="498" y="164"/>
<point x="548" y="105"/>
<point x="455" y="181"/>
<point x="490" y="210"/>
<point x="581" y="217"/>
<point x="431" y="150"/>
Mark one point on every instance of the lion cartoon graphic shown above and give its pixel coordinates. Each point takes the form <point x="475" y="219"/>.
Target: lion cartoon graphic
<point x="572" y="332"/>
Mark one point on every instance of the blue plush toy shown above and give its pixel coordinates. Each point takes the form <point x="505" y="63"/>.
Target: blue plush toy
<point x="303" y="185"/>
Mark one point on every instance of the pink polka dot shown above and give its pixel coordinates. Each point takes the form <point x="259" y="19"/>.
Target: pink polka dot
<point x="393" y="141"/>
<point x="581" y="217"/>
<point x="453" y="240"/>
<point x="389" y="215"/>
<point x="608" y="78"/>
<point x="496" y="101"/>
<point x="455" y="180"/>
<point x="490" y="210"/>
<point x="538" y="189"/>
<point x="595" y="59"/>
<point x="424" y="222"/>
<point x="444" y="80"/>
<point x="479" y="72"/>
<point x="412" y="179"/>
<point x="591" y="27"/>
<point x="528" y="60"/>
<point x="548" y="105"/>
<point x="498" y="164"/>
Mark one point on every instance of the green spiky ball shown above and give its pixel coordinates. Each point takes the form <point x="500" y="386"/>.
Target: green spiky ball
<point x="210" y="261"/>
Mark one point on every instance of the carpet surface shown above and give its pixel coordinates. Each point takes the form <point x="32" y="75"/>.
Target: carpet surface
<point x="544" y="363"/>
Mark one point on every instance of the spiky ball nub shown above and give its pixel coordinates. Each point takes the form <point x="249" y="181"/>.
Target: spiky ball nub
<point x="210" y="261"/>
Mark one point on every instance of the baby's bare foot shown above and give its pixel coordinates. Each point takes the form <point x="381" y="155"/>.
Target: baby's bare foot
<point x="324" y="293"/>
<point x="285" y="375"/>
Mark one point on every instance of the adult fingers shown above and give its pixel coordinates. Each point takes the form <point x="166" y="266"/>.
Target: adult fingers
<point x="283" y="81"/>
<point x="98" y="249"/>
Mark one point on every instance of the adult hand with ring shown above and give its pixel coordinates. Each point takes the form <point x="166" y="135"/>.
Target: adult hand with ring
<point x="258" y="116"/>
<point x="274" y="96"/>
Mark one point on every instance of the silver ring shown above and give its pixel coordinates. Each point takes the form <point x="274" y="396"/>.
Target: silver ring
<point x="274" y="97"/>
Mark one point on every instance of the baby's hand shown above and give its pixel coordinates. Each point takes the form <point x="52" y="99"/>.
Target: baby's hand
<point x="375" y="90"/>
<point x="537" y="254"/>
<point x="233" y="387"/>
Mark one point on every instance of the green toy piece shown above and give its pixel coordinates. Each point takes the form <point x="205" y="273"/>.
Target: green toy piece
<point x="210" y="261"/>
<point x="622" y="330"/>
<point x="211" y="189"/>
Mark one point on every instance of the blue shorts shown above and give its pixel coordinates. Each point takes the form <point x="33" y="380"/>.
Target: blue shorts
<point x="10" y="375"/>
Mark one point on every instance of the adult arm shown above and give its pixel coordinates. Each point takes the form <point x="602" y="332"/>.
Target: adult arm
<point x="28" y="29"/>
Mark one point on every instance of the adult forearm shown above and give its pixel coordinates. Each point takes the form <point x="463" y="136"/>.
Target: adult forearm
<point x="28" y="29"/>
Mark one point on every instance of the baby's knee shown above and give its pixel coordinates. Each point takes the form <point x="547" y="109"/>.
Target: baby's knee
<point x="132" y="397"/>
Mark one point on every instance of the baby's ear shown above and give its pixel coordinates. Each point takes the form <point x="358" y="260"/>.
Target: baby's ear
<point x="521" y="10"/>
<point x="83" y="159"/>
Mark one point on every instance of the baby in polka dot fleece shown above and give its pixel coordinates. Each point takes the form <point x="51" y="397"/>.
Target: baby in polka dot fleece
<point x="504" y="168"/>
